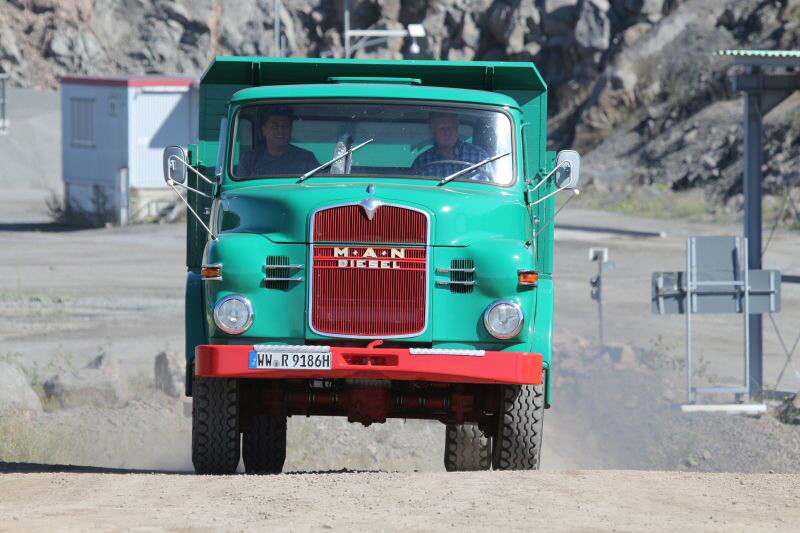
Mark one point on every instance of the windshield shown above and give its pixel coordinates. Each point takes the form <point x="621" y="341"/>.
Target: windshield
<point x="401" y="140"/>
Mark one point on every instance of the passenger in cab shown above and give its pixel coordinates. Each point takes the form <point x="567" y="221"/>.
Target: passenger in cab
<point x="277" y="156"/>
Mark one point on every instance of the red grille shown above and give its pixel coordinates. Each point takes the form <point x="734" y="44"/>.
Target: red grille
<point x="369" y="297"/>
<point x="364" y="290"/>
<point x="389" y="224"/>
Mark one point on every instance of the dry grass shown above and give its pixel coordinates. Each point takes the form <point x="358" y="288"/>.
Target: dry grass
<point x="21" y="442"/>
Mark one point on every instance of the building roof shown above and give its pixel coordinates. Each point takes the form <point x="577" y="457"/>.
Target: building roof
<point x="131" y="81"/>
<point x="775" y="58"/>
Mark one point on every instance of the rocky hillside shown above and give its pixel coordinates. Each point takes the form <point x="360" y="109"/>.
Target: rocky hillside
<point x="634" y="83"/>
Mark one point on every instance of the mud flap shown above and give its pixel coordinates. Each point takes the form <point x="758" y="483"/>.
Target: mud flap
<point x="195" y="324"/>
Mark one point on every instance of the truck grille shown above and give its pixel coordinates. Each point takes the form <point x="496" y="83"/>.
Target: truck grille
<point x="349" y="223"/>
<point x="364" y="289"/>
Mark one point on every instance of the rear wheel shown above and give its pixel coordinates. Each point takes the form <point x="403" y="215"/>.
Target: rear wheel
<point x="264" y="444"/>
<point x="518" y="443"/>
<point x="466" y="448"/>
<point x="215" y="425"/>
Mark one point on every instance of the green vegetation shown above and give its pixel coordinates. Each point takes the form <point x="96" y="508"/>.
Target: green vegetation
<point x="654" y="201"/>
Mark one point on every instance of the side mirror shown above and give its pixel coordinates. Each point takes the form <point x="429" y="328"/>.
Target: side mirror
<point x="568" y="169"/>
<point x="174" y="166"/>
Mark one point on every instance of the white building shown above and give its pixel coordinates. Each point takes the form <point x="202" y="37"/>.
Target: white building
<point x="113" y="133"/>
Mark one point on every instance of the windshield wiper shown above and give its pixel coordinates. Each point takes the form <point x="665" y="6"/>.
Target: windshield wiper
<point x="332" y="161"/>
<point x="461" y="172"/>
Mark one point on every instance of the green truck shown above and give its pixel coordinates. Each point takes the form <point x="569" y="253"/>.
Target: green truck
<point x="369" y="239"/>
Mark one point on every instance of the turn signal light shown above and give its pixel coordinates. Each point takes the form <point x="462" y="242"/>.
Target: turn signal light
<point x="211" y="272"/>
<point x="528" y="277"/>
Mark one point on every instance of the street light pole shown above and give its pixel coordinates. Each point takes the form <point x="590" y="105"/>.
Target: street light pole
<point x="347" y="29"/>
<point x="276" y="6"/>
<point x="373" y="37"/>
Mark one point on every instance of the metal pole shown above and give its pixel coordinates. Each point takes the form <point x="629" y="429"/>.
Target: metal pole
<point x="276" y="6"/>
<point x="688" y="304"/>
<point x="752" y="224"/>
<point x="3" y="118"/>
<point x="600" y="302"/>
<point x="347" y="29"/>
<point x="746" y="311"/>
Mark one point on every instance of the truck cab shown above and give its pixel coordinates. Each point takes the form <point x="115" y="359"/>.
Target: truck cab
<point x="373" y="240"/>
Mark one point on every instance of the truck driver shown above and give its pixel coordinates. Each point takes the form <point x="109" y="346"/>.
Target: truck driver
<point x="277" y="156"/>
<point x="449" y="154"/>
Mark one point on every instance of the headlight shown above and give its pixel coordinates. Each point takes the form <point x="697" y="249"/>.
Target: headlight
<point x="503" y="319"/>
<point x="233" y="314"/>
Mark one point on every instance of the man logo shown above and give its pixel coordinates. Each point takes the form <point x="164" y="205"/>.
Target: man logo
<point x="382" y="258"/>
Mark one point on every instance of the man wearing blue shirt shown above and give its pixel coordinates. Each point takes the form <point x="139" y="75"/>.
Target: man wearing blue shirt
<point x="278" y="156"/>
<point x="441" y="159"/>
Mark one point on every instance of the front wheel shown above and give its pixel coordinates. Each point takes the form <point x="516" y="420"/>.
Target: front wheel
<point x="518" y="444"/>
<point x="466" y="448"/>
<point x="215" y="425"/>
<point x="264" y="444"/>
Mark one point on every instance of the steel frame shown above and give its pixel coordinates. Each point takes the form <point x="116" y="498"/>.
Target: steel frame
<point x="762" y="92"/>
<point x="693" y="287"/>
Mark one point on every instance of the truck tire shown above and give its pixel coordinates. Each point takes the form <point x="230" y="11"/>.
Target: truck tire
<point x="518" y="443"/>
<point x="215" y="425"/>
<point x="264" y="444"/>
<point x="466" y="448"/>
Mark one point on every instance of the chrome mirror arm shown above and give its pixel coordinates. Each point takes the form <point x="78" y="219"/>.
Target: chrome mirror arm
<point x="201" y="193"/>
<point x="190" y="167"/>
<point x="200" y="220"/>
<point x="575" y="192"/>
<point x="547" y="177"/>
<point x="545" y="197"/>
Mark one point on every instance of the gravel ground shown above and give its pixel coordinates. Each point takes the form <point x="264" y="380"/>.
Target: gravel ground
<point x="378" y="501"/>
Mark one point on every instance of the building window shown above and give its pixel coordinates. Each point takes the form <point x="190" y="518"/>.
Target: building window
<point x="113" y="106"/>
<point x="82" y="110"/>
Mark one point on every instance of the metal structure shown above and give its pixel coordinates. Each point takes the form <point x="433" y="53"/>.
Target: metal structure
<point x="762" y="92"/>
<point x="600" y="256"/>
<point x="715" y="282"/>
<point x="3" y="116"/>
<point x="374" y="37"/>
<point x="279" y="43"/>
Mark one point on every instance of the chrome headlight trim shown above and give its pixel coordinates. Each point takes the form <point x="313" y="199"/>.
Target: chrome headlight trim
<point x="250" y="312"/>
<point x="517" y="308"/>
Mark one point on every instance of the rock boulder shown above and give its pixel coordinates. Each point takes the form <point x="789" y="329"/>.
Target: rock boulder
<point x="97" y="384"/>
<point x="170" y="370"/>
<point x="15" y="392"/>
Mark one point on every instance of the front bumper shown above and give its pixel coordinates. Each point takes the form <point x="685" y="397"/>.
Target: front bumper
<point x="445" y="366"/>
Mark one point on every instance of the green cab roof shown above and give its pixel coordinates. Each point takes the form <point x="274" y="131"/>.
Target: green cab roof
<point x="476" y="75"/>
<point x="367" y="91"/>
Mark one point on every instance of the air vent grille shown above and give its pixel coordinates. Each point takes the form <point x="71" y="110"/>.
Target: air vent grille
<point x="270" y="281"/>
<point x="462" y="275"/>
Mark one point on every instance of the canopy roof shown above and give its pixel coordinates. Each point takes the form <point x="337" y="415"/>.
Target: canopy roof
<point x="774" y="58"/>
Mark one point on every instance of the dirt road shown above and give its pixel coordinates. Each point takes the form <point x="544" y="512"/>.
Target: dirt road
<point x="67" y="295"/>
<point x="497" y="501"/>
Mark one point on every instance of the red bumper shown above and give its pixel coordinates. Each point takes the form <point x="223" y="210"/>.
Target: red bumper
<point x="523" y="368"/>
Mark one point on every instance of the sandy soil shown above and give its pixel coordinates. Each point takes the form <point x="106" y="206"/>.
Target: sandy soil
<point x="374" y="501"/>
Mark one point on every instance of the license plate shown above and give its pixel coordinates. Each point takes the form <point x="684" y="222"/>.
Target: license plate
<point x="290" y="360"/>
